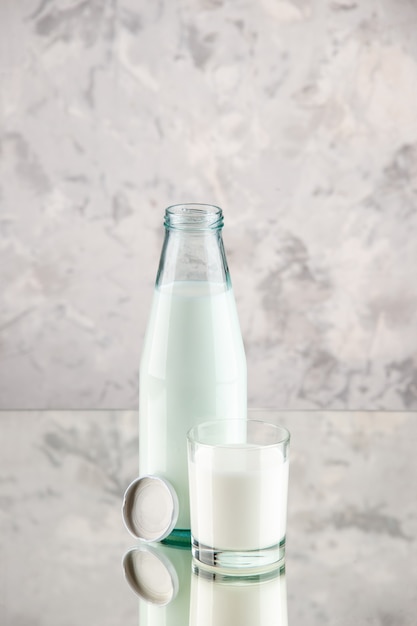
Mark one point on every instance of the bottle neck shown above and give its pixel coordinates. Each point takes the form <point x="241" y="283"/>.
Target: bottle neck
<point x="193" y="246"/>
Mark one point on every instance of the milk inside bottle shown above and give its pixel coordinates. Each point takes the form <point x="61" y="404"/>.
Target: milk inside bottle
<point x="193" y="365"/>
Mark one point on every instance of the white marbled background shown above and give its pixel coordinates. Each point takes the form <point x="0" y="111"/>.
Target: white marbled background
<point x="298" y="117"/>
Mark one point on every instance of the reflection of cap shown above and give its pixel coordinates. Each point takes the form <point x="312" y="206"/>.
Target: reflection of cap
<point x="151" y="575"/>
<point x="150" y="508"/>
<point x="161" y="576"/>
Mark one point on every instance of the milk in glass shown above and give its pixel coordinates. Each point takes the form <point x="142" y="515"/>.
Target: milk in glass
<point x="239" y="501"/>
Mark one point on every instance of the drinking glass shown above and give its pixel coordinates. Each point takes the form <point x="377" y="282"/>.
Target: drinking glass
<point x="238" y="483"/>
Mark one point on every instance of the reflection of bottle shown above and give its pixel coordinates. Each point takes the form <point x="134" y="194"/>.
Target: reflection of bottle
<point x="160" y="575"/>
<point x="193" y="365"/>
<point x="252" y="601"/>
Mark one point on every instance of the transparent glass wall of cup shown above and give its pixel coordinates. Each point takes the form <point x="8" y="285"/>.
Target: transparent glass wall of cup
<point x="193" y="365"/>
<point x="238" y="478"/>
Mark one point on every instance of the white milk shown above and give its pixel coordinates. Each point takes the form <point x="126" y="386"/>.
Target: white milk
<point x="193" y="368"/>
<point x="238" y="497"/>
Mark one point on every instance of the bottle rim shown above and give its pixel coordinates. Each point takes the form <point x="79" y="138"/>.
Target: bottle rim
<point x="193" y="216"/>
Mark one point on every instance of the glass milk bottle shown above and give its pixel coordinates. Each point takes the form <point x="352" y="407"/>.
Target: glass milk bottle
<point x="193" y="365"/>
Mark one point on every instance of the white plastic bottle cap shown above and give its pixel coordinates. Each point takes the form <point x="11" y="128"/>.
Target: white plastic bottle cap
<point x="150" y="508"/>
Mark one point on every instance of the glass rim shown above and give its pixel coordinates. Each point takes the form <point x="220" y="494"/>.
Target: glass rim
<point x="193" y="216"/>
<point x="284" y="439"/>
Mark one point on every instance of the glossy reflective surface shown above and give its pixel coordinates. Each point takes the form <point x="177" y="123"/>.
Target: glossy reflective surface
<point x="351" y="543"/>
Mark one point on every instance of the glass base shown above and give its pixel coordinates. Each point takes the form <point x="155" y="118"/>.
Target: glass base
<point x="247" y="577"/>
<point x="239" y="562"/>
<point x="180" y="537"/>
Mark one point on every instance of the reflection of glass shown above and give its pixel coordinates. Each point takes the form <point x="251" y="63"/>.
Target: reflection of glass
<point x="160" y="575"/>
<point x="238" y="475"/>
<point x="218" y="600"/>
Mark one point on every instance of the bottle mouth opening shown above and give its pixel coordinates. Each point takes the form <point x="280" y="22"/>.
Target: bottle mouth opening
<point x="193" y="217"/>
